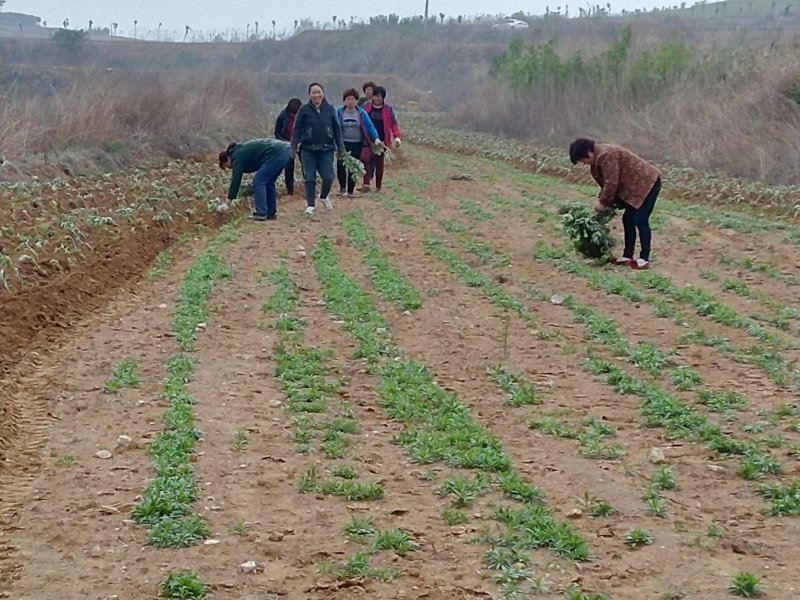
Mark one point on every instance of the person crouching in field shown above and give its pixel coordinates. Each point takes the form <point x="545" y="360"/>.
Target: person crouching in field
<point x="264" y="157"/>
<point x="284" y="125"/>
<point x="385" y="122"/>
<point x="358" y="132"/>
<point x="317" y="134"/>
<point x="625" y="180"/>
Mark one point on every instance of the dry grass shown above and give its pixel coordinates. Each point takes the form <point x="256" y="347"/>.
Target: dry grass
<point x="125" y="114"/>
<point x="740" y="125"/>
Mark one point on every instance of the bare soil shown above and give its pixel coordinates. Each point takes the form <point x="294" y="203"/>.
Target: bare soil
<point x="66" y="530"/>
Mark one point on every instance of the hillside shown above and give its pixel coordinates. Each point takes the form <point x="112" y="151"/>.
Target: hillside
<point x="736" y="57"/>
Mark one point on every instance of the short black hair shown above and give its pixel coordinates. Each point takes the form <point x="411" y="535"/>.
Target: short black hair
<point x="350" y="92"/>
<point x="311" y="85"/>
<point x="580" y="148"/>
<point x="294" y="105"/>
<point x="379" y="91"/>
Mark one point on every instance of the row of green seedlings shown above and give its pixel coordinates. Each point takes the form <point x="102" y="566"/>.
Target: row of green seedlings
<point x="390" y="283"/>
<point x="662" y="409"/>
<point x="392" y="206"/>
<point x="505" y="158"/>
<point x="755" y="266"/>
<point x="305" y="380"/>
<point x="683" y="377"/>
<point x="166" y="507"/>
<point x="439" y="428"/>
<point x="647" y="356"/>
<point x="783" y="315"/>
<point x="704" y="302"/>
<point x="771" y="362"/>
<point x="304" y="375"/>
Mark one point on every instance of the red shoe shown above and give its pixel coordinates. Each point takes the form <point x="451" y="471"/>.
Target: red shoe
<point x="639" y="264"/>
<point x="621" y="260"/>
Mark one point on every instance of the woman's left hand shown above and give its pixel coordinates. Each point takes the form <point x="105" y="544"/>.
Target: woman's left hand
<point x="599" y="206"/>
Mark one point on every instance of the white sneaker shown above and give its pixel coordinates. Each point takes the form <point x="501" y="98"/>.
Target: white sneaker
<point x="326" y="202"/>
<point x="309" y="210"/>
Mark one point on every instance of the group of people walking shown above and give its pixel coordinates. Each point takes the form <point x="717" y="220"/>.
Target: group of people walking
<point x="363" y="127"/>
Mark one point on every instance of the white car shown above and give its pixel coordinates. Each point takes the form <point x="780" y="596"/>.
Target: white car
<point x="510" y="24"/>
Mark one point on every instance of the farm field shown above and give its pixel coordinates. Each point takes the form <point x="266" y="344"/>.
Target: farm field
<point x="422" y="394"/>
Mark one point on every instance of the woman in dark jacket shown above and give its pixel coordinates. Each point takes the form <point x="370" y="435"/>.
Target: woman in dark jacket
<point x="264" y="157"/>
<point x="317" y="134"/>
<point x="284" y="125"/>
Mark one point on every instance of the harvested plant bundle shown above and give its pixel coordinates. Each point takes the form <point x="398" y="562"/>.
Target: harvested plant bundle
<point x="588" y="230"/>
<point x="353" y="166"/>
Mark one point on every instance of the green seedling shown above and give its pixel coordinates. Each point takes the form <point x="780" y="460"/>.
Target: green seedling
<point x="746" y="585"/>
<point x="240" y="439"/>
<point x="395" y="539"/>
<point x="124" y="376"/>
<point x="183" y="586"/>
<point x="359" y="528"/>
<point x="241" y="527"/>
<point x="636" y="538"/>
<point x="454" y="516"/>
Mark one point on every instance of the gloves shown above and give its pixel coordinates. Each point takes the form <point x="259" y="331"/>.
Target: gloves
<point x="397" y="142"/>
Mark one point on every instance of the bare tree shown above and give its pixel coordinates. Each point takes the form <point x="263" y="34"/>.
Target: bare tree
<point x="256" y="33"/>
<point x="114" y="27"/>
<point x="273" y="27"/>
<point x="426" y="9"/>
<point x="66" y="23"/>
<point x="135" y="24"/>
<point x="91" y="24"/>
<point x="159" y="30"/>
<point x="186" y="34"/>
<point x="2" y="2"/>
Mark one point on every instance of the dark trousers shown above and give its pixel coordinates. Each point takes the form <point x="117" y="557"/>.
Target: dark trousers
<point x="313" y="162"/>
<point x="288" y="176"/>
<point x="374" y="164"/>
<point x="264" y="183"/>
<point x="638" y="219"/>
<point x="346" y="180"/>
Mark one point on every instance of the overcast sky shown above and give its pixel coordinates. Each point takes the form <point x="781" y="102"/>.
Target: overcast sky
<point x="218" y="15"/>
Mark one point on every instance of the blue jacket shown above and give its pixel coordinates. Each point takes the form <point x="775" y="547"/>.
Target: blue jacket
<point x="367" y="127"/>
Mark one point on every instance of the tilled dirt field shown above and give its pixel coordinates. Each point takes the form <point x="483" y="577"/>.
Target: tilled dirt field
<point x="497" y="294"/>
